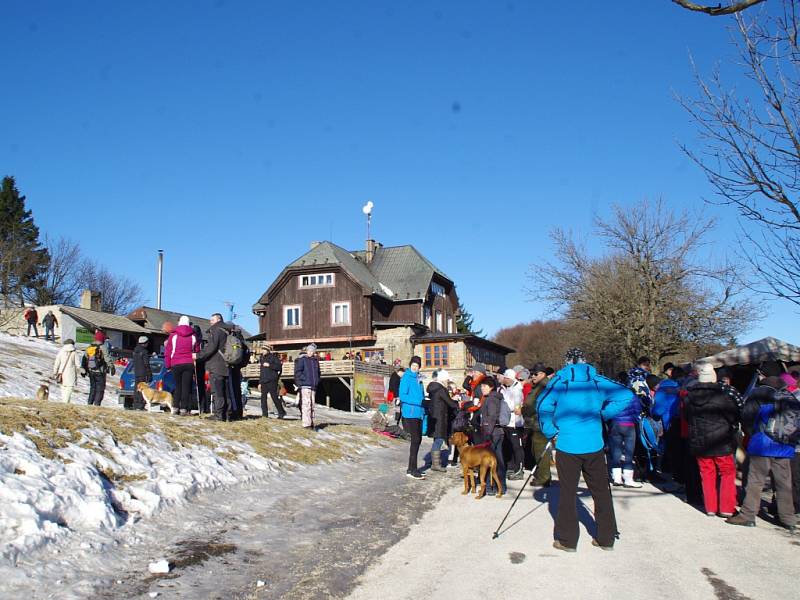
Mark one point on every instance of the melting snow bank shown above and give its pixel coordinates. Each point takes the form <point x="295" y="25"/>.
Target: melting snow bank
<point x="57" y="484"/>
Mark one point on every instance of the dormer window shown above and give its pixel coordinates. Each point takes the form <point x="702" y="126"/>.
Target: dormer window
<point x="316" y="280"/>
<point x="438" y="289"/>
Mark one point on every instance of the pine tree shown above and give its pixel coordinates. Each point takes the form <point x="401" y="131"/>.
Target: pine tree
<point x="22" y="257"/>
<point x="464" y="321"/>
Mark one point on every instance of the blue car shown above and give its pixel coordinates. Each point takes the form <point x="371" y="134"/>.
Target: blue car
<point x="162" y="380"/>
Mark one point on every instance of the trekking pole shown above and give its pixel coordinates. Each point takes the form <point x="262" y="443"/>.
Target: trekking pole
<point x="547" y="448"/>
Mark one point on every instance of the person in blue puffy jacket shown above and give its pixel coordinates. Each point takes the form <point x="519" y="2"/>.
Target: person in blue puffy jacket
<point x="412" y="411"/>
<point x="572" y="409"/>
<point x="766" y="456"/>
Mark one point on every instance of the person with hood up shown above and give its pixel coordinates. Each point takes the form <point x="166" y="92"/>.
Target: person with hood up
<point x="411" y="408"/>
<point x="766" y="456"/>
<point x="211" y="355"/>
<point x="622" y="444"/>
<point x="306" y="378"/>
<point x="65" y="369"/>
<point x="441" y="405"/>
<point x="572" y="410"/>
<point x="142" y="373"/>
<point x="712" y="410"/>
<point x="181" y="345"/>
<point x="533" y="434"/>
<point x="494" y="412"/>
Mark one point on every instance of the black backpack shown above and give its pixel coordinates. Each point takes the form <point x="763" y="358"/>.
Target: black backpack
<point x="783" y="426"/>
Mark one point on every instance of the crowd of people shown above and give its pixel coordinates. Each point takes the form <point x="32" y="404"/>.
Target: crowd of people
<point x="689" y="432"/>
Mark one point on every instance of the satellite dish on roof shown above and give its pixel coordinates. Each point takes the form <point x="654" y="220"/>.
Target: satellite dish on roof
<point x="367" y="208"/>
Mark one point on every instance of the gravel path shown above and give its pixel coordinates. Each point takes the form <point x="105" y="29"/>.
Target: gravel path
<point x="667" y="550"/>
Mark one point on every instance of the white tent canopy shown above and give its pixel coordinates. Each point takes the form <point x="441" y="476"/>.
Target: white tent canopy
<point x="755" y="353"/>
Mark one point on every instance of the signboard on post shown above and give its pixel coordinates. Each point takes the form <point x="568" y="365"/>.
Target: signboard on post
<point x="83" y="336"/>
<point x="370" y="389"/>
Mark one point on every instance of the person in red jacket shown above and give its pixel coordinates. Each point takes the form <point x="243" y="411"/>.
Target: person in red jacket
<point x="180" y="346"/>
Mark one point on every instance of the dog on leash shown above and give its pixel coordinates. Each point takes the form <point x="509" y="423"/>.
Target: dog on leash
<point x="476" y="458"/>
<point x="152" y="396"/>
<point x="43" y="393"/>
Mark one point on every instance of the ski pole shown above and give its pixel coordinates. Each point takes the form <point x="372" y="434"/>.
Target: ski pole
<point x="547" y="448"/>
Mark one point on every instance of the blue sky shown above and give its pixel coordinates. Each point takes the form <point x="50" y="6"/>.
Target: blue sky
<point x="231" y="134"/>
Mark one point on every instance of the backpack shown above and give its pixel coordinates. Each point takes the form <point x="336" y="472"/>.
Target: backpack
<point x="650" y="432"/>
<point x="94" y="358"/>
<point x="783" y="426"/>
<point x="234" y="352"/>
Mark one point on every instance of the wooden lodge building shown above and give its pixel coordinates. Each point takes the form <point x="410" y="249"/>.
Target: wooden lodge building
<point x="390" y="301"/>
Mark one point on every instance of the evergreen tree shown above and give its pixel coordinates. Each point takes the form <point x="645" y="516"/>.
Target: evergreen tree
<point x="464" y="321"/>
<point x="22" y="257"/>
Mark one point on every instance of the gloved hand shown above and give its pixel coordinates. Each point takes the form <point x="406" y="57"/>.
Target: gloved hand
<point x="83" y="372"/>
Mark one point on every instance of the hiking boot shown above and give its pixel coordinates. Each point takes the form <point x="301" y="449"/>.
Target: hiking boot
<point x="415" y="475"/>
<point x="725" y="515"/>
<point x="740" y="520"/>
<point x="436" y="461"/>
<point x="518" y="474"/>
<point x="559" y="546"/>
<point x="596" y="544"/>
<point x="628" y="481"/>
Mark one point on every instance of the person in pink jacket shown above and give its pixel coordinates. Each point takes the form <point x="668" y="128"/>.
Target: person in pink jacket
<point x="180" y="346"/>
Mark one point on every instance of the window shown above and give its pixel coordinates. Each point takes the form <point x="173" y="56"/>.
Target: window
<point x="426" y="316"/>
<point x="318" y="280"/>
<point x="439" y="321"/>
<point x="292" y="316"/>
<point x="340" y="313"/>
<point x="449" y="324"/>
<point x="435" y="355"/>
<point x="437" y="289"/>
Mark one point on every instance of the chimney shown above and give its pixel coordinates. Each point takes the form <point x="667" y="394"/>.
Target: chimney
<point x="159" y="278"/>
<point x="372" y="247"/>
<point x="90" y="300"/>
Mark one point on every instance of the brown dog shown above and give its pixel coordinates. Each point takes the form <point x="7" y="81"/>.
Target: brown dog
<point x="472" y="458"/>
<point x="43" y="393"/>
<point x="152" y="396"/>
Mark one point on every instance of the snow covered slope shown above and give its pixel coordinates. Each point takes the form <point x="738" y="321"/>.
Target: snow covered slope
<point x="26" y="363"/>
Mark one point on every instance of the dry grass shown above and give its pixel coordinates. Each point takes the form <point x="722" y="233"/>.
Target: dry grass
<point x="52" y="425"/>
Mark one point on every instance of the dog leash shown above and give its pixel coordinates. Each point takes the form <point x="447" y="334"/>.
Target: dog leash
<point x="547" y="449"/>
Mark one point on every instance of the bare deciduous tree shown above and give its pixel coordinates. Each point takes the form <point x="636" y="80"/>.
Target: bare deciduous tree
<point x="537" y="341"/>
<point x="65" y="275"/>
<point x="118" y="295"/>
<point x="650" y="294"/>
<point x="751" y="142"/>
<point x="718" y="10"/>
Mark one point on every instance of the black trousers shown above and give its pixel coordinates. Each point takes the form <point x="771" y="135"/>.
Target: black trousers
<point x="202" y="397"/>
<point x="219" y="390"/>
<point x="795" y="463"/>
<point x="271" y="388"/>
<point x="595" y="474"/>
<point x="235" y="395"/>
<point x="183" y="385"/>
<point x="97" y="388"/>
<point x="413" y="427"/>
<point x="514" y="439"/>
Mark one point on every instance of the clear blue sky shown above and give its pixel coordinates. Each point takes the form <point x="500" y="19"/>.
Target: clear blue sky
<point x="231" y="134"/>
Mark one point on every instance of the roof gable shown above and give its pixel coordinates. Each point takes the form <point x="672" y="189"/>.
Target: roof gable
<point x="93" y="318"/>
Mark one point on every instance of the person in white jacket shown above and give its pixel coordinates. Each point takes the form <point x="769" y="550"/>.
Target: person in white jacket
<point x="65" y="369"/>
<point x="512" y="396"/>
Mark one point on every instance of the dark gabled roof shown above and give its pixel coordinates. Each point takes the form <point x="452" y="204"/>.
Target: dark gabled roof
<point x="398" y="273"/>
<point x="105" y="321"/>
<point x="461" y="337"/>
<point x="327" y="253"/>
<point x="404" y="271"/>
